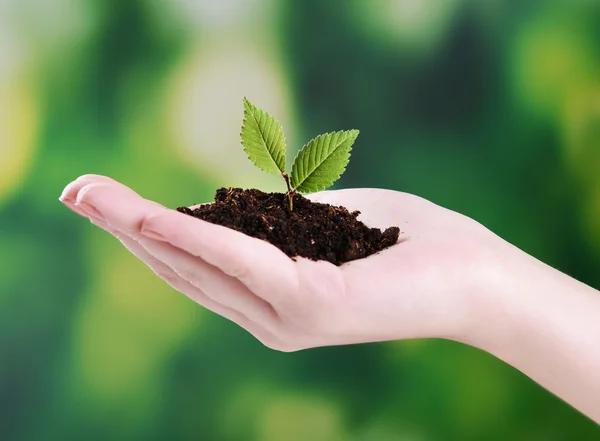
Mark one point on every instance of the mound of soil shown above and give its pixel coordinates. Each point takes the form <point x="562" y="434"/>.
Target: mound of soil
<point x="313" y="230"/>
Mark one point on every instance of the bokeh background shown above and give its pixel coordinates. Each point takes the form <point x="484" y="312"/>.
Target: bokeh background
<point x="488" y="107"/>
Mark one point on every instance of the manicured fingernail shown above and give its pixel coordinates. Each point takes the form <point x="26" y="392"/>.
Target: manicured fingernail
<point x="150" y="234"/>
<point x="90" y="210"/>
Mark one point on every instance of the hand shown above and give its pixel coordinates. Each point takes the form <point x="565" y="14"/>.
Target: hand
<point x="447" y="277"/>
<point x="424" y="286"/>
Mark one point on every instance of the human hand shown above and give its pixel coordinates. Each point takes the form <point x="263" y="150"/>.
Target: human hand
<point x="424" y="286"/>
<point x="447" y="277"/>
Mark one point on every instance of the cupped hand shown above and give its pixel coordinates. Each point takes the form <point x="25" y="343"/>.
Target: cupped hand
<point x="424" y="286"/>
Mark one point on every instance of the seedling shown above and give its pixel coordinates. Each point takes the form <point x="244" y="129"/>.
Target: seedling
<point x="318" y="164"/>
<point x="295" y="225"/>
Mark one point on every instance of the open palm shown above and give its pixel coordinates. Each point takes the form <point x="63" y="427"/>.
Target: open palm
<point x="421" y="287"/>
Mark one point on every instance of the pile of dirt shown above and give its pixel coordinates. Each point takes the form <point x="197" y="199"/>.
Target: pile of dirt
<point x="313" y="230"/>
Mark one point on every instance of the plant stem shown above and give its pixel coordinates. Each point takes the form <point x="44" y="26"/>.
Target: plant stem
<point x="290" y="193"/>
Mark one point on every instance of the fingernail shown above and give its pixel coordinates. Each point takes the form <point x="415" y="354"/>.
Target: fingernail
<point x="71" y="205"/>
<point x="152" y="235"/>
<point x="69" y="193"/>
<point x="90" y="210"/>
<point x="63" y="196"/>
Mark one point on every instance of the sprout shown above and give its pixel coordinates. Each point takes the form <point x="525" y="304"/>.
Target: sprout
<point x="318" y="164"/>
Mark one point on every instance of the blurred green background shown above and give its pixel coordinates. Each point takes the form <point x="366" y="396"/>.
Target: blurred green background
<point x="489" y="107"/>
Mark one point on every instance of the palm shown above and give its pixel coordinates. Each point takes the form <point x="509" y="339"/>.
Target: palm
<point x="413" y="289"/>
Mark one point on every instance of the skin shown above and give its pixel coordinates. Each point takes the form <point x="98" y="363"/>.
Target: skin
<point x="448" y="277"/>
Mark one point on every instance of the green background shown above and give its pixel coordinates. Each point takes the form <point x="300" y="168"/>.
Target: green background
<point x="490" y="108"/>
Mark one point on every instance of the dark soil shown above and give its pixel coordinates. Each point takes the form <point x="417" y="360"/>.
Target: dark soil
<point x="313" y="230"/>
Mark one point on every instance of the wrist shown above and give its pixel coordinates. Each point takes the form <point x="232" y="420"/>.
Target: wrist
<point x="545" y="324"/>
<point x="525" y="305"/>
<point x="502" y="298"/>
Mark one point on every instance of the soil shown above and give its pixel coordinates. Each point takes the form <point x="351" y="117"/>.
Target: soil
<point x="313" y="230"/>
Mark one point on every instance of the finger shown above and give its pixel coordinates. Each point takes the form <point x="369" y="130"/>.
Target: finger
<point x="194" y="293"/>
<point x="125" y="211"/>
<point x="212" y="281"/>
<point x="70" y="192"/>
<point x="171" y="277"/>
<point x="263" y="268"/>
<point x="116" y="204"/>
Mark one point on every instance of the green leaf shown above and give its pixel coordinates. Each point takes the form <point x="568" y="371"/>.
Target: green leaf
<point x="322" y="161"/>
<point x="263" y="139"/>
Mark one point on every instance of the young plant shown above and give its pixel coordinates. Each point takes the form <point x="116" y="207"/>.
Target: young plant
<point x="318" y="164"/>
